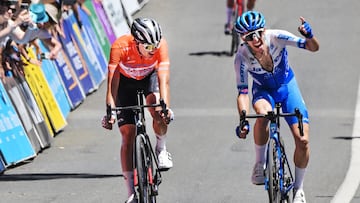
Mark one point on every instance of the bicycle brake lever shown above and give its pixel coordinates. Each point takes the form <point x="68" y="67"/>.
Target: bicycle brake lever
<point x="243" y="115"/>
<point x="108" y="111"/>
<point x="163" y="107"/>
<point x="300" y="122"/>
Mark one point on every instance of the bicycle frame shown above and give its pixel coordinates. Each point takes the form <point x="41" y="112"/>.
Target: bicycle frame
<point x="144" y="151"/>
<point x="283" y="182"/>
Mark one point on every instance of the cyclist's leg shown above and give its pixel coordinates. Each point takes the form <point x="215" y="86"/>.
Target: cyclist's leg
<point x="250" y="5"/>
<point x="126" y="97"/>
<point x="229" y="13"/>
<point x="152" y="97"/>
<point x="262" y="103"/>
<point x="159" y="126"/>
<point x="302" y="148"/>
<point x="240" y="7"/>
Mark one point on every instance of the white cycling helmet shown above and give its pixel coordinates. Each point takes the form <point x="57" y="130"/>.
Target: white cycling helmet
<point x="146" y="31"/>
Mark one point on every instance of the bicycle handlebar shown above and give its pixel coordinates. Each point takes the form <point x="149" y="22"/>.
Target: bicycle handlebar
<point x="272" y="116"/>
<point x="139" y="107"/>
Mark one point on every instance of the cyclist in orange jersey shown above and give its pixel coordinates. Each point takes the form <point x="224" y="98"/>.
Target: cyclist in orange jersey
<point x="139" y="61"/>
<point x="230" y="6"/>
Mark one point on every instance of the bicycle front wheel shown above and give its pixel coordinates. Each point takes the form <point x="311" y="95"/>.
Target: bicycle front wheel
<point x="272" y="173"/>
<point x="144" y="171"/>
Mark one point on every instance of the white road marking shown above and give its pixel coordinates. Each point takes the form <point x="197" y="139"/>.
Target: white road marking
<point x="351" y="182"/>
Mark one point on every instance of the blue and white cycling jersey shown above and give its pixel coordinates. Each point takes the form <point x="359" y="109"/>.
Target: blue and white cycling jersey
<point x="277" y="86"/>
<point x="245" y="62"/>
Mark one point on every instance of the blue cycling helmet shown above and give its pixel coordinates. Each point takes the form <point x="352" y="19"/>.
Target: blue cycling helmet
<point x="249" y="21"/>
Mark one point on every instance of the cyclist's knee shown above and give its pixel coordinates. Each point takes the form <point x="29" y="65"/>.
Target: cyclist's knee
<point x="128" y="133"/>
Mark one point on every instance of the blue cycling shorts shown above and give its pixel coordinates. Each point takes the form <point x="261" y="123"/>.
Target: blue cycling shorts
<point x="288" y="95"/>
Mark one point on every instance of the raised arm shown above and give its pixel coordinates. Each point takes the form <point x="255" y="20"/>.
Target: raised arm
<point x="312" y="43"/>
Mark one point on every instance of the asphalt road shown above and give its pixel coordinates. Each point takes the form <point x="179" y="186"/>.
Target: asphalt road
<point x="210" y="163"/>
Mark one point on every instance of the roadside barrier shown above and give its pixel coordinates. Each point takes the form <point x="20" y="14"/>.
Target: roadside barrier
<point x="36" y="100"/>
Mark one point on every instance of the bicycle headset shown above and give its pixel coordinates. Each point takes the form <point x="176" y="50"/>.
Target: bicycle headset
<point x="249" y="21"/>
<point x="146" y="31"/>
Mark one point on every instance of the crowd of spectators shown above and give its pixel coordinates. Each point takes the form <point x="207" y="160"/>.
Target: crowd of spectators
<point x="24" y="22"/>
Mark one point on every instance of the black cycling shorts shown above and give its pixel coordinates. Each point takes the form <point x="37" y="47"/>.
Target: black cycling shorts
<point x="127" y="95"/>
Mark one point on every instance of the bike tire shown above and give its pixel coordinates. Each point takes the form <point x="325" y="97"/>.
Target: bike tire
<point x="288" y="179"/>
<point x="144" y="170"/>
<point x="234" y="42"/>
<point x="272" y="172"/>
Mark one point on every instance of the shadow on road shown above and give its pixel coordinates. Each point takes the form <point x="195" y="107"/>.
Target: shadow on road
<point x="50" y="176"/>
<point x="345" y="138"/>
<point x="213" y="53"/>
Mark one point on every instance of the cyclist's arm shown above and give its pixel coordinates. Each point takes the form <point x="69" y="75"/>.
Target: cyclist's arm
<point x="242" y="83"/>
<point x="113" y="77"/>
<point x="164" y="73"/>
<point x="243" y="103"/>
<point x="312" y="44"/>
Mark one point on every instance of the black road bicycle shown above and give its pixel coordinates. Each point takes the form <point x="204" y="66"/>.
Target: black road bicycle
<point x="235" y="38"/>
<point x="279" y="180"/>
<point x="147" y="175"/>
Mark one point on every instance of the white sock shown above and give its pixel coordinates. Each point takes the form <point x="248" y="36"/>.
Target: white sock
<point x="160" y="142"/>
<point x="229" y="15"/>
<point x="129" y="181"/>
<point x="299" y="177"/>
<point x="260" y="153"/>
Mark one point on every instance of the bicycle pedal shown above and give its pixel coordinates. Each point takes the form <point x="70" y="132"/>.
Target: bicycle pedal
<point x="163" y="169"/>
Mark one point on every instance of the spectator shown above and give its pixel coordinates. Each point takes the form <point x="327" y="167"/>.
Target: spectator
<point x="38" y="29"/>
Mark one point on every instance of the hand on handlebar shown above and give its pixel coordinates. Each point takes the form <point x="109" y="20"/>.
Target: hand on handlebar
<point x="167" y="115"/>
<point x="242" y="129"/>
<point x="109" y="119"/>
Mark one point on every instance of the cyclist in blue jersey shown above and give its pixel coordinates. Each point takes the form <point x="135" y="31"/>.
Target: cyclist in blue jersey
<point x="264" y="56"/>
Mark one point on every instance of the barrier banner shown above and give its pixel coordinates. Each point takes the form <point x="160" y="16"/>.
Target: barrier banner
<point x="19" y="105"/>
<point x="142" y="2"/>
<point x="99" y="30"/>
<point x="53" y="79"/>
<point x="84" y="46"/>
<point x="15" y="146"/>
<point x="130" y="6"/>
<point x="2" y="165"/>
<point x="104" y="20"/>
<point x="32" y="83"/>
<point x="114" y="11"/>
<point x="77" y="63"/>
<point x="90" y="36"/>
<point x="74" y="91"/>
<point x="45" y="136"/>
<point x="39" y="85"/>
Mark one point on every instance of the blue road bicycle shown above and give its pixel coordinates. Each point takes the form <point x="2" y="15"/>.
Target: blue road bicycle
<point x="279" y="180"/>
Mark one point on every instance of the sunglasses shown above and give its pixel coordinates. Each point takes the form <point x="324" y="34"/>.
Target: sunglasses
<point x="251" y="35"/>
<point x="13" y="10"/>
<point x="150" y="47"/>
<point x="10" y="5"/>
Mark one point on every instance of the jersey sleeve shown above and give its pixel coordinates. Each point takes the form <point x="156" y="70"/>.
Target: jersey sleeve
<point x="286" y="38"/>
<point x="115" y="56"/>
<point x="241" y="75"/>
<point x="164" y="61"/>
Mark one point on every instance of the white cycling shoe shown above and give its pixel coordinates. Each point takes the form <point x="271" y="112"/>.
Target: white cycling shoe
<point x="258" y="175"/>
<point x="165" y="161"/>
<point x="132" y="199"/>
<point x="299" y="196"/>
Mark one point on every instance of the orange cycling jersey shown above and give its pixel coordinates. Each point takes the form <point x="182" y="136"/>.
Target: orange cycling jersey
<point x="126" y="58"/>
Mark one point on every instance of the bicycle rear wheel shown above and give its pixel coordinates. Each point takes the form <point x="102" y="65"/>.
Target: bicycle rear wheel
<point x="234" y="42"/>
<point x="144" y="171"/>
<point x="272" y="173"/>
